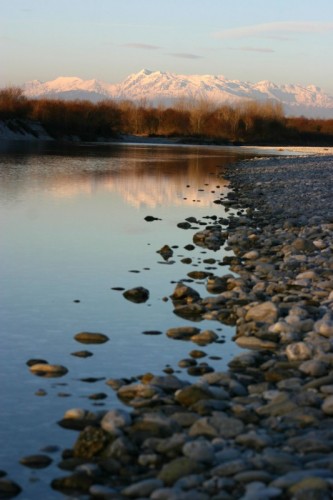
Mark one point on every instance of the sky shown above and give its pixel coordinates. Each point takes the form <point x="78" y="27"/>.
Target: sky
<point x="284" y="41"/>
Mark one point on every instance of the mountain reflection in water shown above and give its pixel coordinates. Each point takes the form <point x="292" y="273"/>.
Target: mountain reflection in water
<point x="148" y="177"/>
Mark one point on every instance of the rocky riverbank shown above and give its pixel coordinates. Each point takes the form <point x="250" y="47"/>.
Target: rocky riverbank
<point x="262" y="429"/>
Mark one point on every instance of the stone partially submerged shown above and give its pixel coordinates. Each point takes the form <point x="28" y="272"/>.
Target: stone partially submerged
<point x="137" y="295"/>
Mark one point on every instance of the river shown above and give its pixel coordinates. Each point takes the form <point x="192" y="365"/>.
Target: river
<point x="73" y="228"/>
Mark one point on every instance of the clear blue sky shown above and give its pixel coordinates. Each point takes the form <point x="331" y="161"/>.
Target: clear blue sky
<point x="285" y="41"/>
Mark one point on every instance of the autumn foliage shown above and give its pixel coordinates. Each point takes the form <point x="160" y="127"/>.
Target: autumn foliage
<point x="247" y="122"/>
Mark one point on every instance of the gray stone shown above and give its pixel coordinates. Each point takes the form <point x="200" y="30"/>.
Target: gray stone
<point x="200" y="450"/>
<point x="189" y="482"/>
<point x="254" y="439"/>
<point x="258" y="491"/>
<point x="168" y="383"/>
<point x="265" y="312"/>
<point x="217" y="425"/>
<point x="177" y="468"/>
<point x="142" y="488"/>
<point x="250" y="476"/>
<point x="293" y="477"/>
<point x="313" y="368"/>
<point x="100" y="491"/>
<point x="230" y="468"/>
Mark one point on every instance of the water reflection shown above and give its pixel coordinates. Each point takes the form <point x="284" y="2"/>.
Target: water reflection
<point x="147" y="177"/>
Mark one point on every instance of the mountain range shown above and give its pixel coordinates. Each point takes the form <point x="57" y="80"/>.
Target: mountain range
<point x="158" y="87"/>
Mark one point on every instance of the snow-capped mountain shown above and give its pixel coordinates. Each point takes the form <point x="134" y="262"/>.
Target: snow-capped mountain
<point x="157" y="87"/>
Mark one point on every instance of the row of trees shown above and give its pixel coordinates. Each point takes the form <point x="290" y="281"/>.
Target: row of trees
<point x="249" y="122"/>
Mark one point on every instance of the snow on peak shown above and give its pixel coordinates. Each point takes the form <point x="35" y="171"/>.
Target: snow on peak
<point x="165" y="88"/>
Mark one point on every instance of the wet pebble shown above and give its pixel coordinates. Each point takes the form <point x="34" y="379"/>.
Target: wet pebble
<point x="137" y="295"/>
<point x="82" y="354"/>
<point x="47" y="370"/>
<point x="36" y="461"/>
<point x="91" y="338"/>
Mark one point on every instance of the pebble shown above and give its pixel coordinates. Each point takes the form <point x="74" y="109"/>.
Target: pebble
<point x="9" y="488"/>
<point x="327" y="405"/>
<point x="182" y="332"/>
<point x="142" y="488"/>
<point x="36" y="461"/>
<point x="82" y="354"/>
<point x="46" y="370"/>
<point x="138" y="295"/>
<point x="166" y="252"/>
<point x="200" y="450"/>
<point x="91" y="338"/>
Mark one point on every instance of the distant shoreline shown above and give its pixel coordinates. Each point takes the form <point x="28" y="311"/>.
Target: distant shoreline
<point x="30" y="131"/>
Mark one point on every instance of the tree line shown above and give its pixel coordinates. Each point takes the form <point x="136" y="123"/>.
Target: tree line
<point x="247" y="122"/>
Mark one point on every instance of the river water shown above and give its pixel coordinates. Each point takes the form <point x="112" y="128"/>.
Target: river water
<point x="72" y="228"/>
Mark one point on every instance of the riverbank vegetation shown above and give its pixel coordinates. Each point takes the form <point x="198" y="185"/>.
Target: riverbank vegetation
<point x="244" y="123"/>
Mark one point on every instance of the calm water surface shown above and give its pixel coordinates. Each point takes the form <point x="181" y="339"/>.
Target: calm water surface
<point x="72" y="227"/>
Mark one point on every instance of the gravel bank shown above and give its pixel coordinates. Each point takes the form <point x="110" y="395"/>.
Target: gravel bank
<point x="264" y="428"/>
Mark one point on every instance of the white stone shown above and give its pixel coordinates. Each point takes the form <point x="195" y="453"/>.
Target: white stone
<point x="252" y="255"/>
<point x="115" y="419"/>
<point x="298" y="351"/>
<point x="75" y="413"/>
